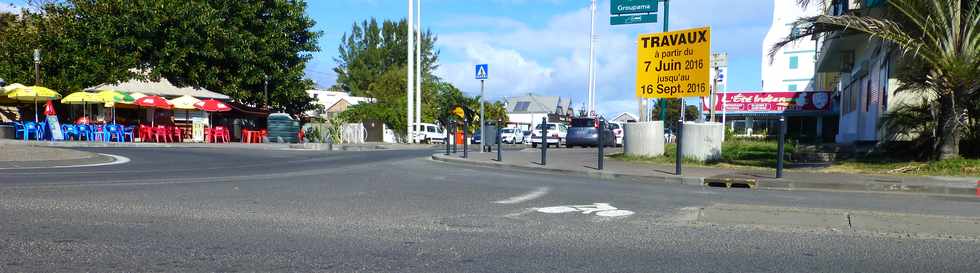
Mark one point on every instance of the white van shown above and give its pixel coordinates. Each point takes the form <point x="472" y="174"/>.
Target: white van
<point x="429" y="133"/>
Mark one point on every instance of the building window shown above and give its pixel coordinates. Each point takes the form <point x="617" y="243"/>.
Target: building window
<point x="794" y="62"/>
<point x="792" y="87"/>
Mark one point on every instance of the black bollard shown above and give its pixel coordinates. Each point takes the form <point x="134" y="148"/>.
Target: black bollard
<point x="544" y="141"/>
<point x="454" y="138"/>
<point x="499" y="143"/>
<point x="602" y="143"/>
<point x="782" y="147"/>
<point x="679" y="156"/>
<point x="466" y="143"/>
<point x="447" y="139"/>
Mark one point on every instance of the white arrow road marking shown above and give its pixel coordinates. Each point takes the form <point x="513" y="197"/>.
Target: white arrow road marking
<point x="525" y="197"/>
<point x="600" y="209"/>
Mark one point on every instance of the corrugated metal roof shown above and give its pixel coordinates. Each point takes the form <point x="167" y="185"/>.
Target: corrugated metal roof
<point x="537" y="104"/>
<point x="160" y="88"/>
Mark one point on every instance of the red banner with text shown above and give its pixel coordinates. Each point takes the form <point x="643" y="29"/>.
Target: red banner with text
<point x="772" y="102"/>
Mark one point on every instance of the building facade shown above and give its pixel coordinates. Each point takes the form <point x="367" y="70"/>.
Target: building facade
<point x="861" y="72"/>
<point x="333" y="102"/>
<point x="526" y="112"/>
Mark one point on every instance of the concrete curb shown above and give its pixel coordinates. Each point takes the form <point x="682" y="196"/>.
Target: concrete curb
<point x="945" y="189"/>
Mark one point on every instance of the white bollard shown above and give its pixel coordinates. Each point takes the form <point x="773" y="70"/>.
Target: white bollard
<point x="643" y="138"/>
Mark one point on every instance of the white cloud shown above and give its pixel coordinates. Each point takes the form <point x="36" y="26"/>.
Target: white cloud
<point x="10" y="7"/>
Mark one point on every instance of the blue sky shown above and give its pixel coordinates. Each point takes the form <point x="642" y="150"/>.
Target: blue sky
<point x="541" y="46"/>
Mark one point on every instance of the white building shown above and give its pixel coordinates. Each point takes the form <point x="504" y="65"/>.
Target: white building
<point x="333" y="102"/>
<point x="792" y="67"/>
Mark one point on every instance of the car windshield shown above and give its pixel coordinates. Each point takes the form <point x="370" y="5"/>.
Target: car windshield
<point x="551" y="126"/>
<point x="507" y="131"/>
<point x="583" y="122"/>
<point x="614" y="126"/>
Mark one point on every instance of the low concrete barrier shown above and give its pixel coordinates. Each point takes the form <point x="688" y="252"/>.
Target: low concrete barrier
<point x="643" y="138"/>
<point x="702" y="141"/>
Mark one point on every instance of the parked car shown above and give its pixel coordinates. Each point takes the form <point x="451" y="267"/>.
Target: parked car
<point x="430" y="133"/>
<point x="618" y="130"/>
<point x="556" y="134"/>
<point x="476" y="137"/>
<point x="585" y="134"/>
<point x="512" y="135"/>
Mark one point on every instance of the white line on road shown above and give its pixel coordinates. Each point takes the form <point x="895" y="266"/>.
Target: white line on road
<point x="525" y="197"/>
<point x="118" y="159"/>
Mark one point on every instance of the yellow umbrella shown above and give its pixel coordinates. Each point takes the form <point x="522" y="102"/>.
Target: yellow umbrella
<point x="185" y="102"/>
<point x="81" y="98"/>
<point x="12" y="87"/>
<point x="33" y="93"/>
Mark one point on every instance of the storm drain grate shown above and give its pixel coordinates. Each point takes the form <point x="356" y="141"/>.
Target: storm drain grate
<point x="730" y="183"/>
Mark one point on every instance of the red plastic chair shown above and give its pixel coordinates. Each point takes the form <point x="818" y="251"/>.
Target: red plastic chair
<point x="145" y="133"/>
<point x="247" y="135"/>
<point x="220" y="133"/>
<point x="177" y="134"/>
<point x="162" y="132"/>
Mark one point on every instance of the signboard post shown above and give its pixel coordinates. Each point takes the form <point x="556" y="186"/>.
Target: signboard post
<point x="482" y="74"/>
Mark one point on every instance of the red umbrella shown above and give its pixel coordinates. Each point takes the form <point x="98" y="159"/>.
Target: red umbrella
<point x="153" y="101"/>
<point x="212" y="105"/>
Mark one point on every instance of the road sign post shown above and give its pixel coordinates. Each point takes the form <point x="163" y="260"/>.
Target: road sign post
<point x="482" y="73"/>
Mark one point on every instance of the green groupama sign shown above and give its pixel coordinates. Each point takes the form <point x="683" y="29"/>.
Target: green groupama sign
<point x="633" y="6"/>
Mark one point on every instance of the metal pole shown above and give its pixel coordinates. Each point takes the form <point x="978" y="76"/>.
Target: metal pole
<point x="499" y="141"/>
<point x="410" y="138"/>
<point x="483" y="127"/>
<point x="591" y="95"/>
<point x="265" y="90"/>
<point x="679" y="155"/>
<point x="782" y="148"/>
<point x="544" y="141"/>
<point x="466" y="141"/>
<point x="663" y="102"/>
<point x="37" y="67"/>
<point x="602" y="143"/>
<point x="418" y="66"/>
<point x="447" y="139"/>
<point x="454" y="137"/>
<point x="711" y="100"/>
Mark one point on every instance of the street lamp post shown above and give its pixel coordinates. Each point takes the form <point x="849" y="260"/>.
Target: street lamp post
<point x="37" y="67"/>
<point x="265" y="89"/>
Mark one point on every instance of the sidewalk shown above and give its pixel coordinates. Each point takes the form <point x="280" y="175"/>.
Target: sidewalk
<point x="583" y="162"/>
<point x="230" y="145"/>
<point x="14" y="156"/>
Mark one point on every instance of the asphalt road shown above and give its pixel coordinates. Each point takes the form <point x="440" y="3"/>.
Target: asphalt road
<point x="222" y="210"/>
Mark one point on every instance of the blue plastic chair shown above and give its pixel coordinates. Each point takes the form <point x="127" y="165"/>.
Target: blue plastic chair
<point x="42" y="130"/>
<point x="32" y="128"/>
<point x="68" y="132"/>
<point x="128" y="131"/>
<point x="84" y="131"/>
<point x="114" y="131"/>
<point x="19" y="129"/>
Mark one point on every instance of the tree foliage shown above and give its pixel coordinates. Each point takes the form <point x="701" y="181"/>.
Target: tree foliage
<point x="674" y="112"/>
<point x="370" y="50"/>
<point x="223" y="45"/>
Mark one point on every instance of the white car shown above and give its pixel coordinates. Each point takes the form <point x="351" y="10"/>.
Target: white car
<point x="429" y="133"/>
<point x="512" y="135"/>
<point x="617" y="129"/>
<point x="556" y="134"/>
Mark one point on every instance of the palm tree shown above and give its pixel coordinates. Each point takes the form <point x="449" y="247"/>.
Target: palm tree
<point x="940" y="40"/>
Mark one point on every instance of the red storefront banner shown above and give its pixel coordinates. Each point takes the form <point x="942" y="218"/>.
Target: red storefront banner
<point x="772" y="102"/>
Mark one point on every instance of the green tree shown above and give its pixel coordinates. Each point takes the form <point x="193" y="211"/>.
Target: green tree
<point x="370" y="50"/>
<point x="223" y="45"/>
<point x="941" y="41"/>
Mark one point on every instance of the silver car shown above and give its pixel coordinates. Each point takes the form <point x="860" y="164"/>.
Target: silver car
<point x="512" y="135"/>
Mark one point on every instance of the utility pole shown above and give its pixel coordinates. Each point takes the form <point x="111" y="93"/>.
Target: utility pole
<point x="483" y="124"/>
<point x="418" y="65"/>
<point x="591" y="96"/>
<point x="410" y="136"/>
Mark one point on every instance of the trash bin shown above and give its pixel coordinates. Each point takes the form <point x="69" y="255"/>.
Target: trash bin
<point x="283" y="128"/>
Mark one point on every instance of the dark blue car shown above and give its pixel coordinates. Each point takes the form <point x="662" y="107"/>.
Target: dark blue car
<point x="585" y="134"/>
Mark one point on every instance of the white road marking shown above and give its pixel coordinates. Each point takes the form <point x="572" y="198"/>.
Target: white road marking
<point x="600" y="209"/>
<point x="118" y="160"/>
<point x="525" y="197"/>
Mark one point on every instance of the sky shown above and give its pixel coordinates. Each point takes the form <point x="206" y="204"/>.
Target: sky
<point x="542" y="46"/>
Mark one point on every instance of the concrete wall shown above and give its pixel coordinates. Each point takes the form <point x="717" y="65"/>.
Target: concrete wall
<point x="702" y="141"/>
<point x="643" y="138"/>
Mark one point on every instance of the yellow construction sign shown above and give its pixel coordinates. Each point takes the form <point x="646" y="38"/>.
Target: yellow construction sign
<point x="674" y="64"/>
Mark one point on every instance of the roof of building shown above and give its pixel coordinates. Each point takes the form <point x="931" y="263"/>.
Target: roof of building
<point x="536" y="104"/>
<point x="163" y="88"/>
<point x="625" y="116"/>
<point x="329" y="98"/>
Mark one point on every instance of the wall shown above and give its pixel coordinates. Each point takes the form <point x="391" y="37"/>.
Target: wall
<point x="776" y="72"/>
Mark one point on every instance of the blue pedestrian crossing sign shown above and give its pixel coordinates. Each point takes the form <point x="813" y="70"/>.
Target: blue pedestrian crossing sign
<point x="481" y="72"/>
